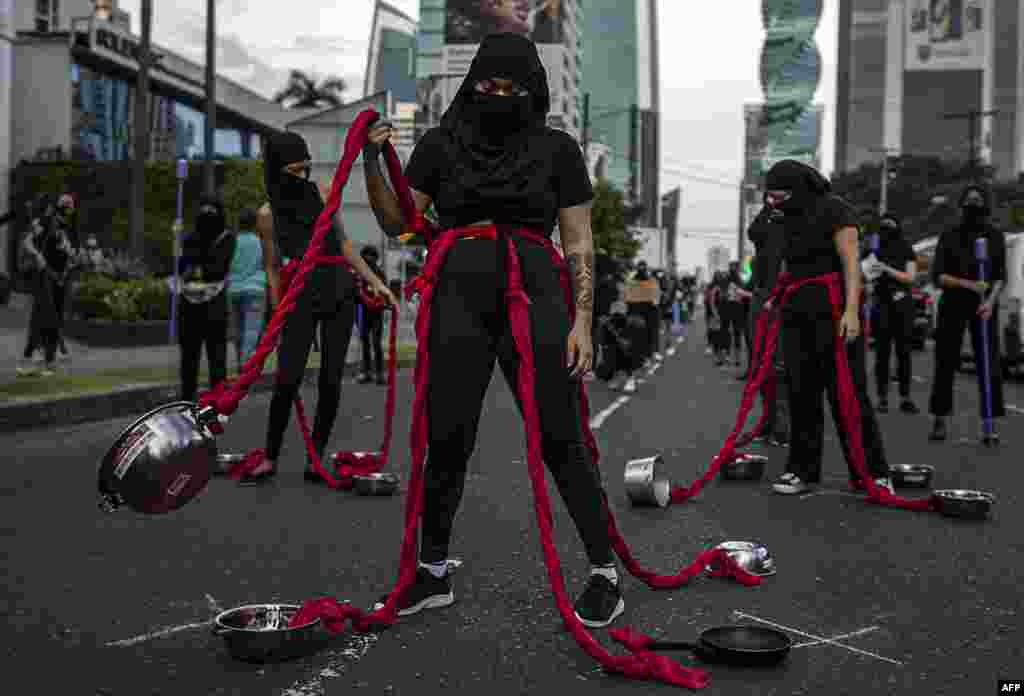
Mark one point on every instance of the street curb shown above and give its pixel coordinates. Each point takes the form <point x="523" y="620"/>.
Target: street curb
<point x="122" y="403"/>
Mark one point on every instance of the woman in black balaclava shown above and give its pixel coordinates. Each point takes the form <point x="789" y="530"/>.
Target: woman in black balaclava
<point x="821" y="237"/>
<point x="327" y="302"/>
<point x="895" y="322"/>
<point x="495" y="165"/>
<point x="203" y="269"/>
<point x="966" y="301"/>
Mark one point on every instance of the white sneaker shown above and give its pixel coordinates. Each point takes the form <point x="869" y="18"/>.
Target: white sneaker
<point x="886" y="484"/>
<point x="27" y="368"/>
<point x="630" y="386"/>
<point x="790" y="484"/>
<point x="659" y="357"/>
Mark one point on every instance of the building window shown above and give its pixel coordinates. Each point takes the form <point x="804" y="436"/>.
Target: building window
<point x="47" y="15"/>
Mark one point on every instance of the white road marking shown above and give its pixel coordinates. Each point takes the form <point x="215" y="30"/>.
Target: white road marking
<point x="830" y="641"/>
<point x="861" y="632"/>
<point x="360" y="645"/>
<point x="598" y="420"/>
<point x="135" y="640"/>
<point x="214" y="605"/>
<point x="1015" y="409"/>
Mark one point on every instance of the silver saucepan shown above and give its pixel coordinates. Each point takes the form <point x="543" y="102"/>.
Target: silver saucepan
<point x="646" y="483"/>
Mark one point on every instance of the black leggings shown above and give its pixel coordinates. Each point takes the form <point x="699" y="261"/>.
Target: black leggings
<point x="196" y="328"/>
<point x="293" y="353"/>
<point x="895" y="325"/>
<point x="371" y="336"/>
<point x="809" y="343"/>
<point x="469" y="329"/>
<point x="734" y="322"/>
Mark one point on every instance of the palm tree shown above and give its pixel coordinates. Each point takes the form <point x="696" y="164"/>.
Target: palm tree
<point x="303" y="92"/>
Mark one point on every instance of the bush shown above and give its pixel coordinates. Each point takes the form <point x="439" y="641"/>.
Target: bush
<point x="99" y="296"/>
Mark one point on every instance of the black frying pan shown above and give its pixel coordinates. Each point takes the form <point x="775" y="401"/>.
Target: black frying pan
<point x="749" y="646"/>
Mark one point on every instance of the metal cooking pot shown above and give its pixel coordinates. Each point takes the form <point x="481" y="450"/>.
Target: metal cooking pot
<point x="750" y="556"/>
<point x="747" y="646"/>
<point x="911" y="475"/>
<point x="161" y="461"/>
<point x="376" y="484"/>
<point x="746" y="467"/>
<point x="646" y="484"/>
<point x="260" y="633"/>
<point x="970" y="505"/>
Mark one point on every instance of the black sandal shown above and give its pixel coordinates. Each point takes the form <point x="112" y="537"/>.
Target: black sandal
<point x="257" y="479"/>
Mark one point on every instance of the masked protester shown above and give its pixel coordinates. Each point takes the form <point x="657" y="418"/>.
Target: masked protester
<point x="327" y="302"/>
<point x="203" y="319"/>
<point x="821" y="238"/>
<point x="495" y="173"/>
<point x="967" y="302"/>
<point x="371" y="330"/>
<point x="895" y="312"/>
<point x="769" y="243"/>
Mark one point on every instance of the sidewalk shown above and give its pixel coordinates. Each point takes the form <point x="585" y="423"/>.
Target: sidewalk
<point x="131" y="378"/>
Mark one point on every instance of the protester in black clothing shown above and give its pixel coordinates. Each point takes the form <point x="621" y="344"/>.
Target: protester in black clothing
<point x="203" y="320"/>
<point x="734" y="314"/>
<point x="495" y="165"/>
<point x="721" y="326"/>
<point x="966" y="301"/>
<point x="371" y="330"/>
<point x="769" y="242"/>
<point x="648" y="311"/>
<point x="821" y="238"/>
<point x="327" y="302"/>
<point x="895" y="306"/>
<point x="47" y="254"/>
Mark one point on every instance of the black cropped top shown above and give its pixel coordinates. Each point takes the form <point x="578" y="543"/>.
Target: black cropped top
<point x="559" y="179"/>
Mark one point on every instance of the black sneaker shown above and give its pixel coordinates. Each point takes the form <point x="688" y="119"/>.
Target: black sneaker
<point x="600" y="604"/>
<point x="908" y="406"/>
<point x="381" y="379"/>
<point x="938" y="433"/>
<point x="426" y="592"/>
<point x="883" y="406"/>
<point x="364" y="378"/>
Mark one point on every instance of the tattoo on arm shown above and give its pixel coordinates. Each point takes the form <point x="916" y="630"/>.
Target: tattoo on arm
<point x="582" y="266"/>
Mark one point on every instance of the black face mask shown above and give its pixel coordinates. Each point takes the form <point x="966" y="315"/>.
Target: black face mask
<point x="496" y="114"/>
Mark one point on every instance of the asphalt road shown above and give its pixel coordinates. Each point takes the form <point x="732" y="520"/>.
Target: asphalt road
<point x="878" y="601"/>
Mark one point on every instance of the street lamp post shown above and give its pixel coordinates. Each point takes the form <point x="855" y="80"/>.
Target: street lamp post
<point x="210" y="127"/>
<point x="141" y="128"/>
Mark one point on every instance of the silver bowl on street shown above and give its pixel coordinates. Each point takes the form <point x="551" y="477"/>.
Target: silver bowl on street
<point x="746" y="467"/>
<point x="260" y="632"/>
<point x="161" y="461"/>
<point x="376" y="484"/>
<point x="646" y="484"/>
<point x="968" y="505"/>
<point x="751" y="556"/>
<point x="911" y="475"/>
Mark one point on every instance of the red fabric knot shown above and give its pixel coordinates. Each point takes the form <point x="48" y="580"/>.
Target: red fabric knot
<point x="419" y="285"/>
<point x="659" y="667"/>
<point x="249" y="464"/>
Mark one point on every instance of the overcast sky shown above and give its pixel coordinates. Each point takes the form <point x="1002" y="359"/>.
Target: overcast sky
<point x="709" y="68"/>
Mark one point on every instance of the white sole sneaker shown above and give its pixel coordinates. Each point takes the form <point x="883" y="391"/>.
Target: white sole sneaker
<point x="434" y="602"/>
<point x="619" y="608"/>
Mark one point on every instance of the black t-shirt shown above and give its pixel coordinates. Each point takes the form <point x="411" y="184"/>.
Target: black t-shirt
<point x="560" y="180"/>
<point x="769" y="241"/>
<point x="810" y="248"/>
<point x="955" y="256"/>
<point x="896" y="253"/>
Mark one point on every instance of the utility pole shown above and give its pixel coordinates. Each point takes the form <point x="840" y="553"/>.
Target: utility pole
<point x="883" y="203"/>
<point x="586" y="129"/>
<point x="209" y="184"/>
<point x="634" y="152"/>
<point x="141" y="127"/>
<point x="973" y="117"/>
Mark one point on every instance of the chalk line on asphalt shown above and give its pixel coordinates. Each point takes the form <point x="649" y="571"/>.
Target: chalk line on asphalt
<point x="1015" y="409"/>
<point x="812" y="643"/>
<point x="919" y="379"/>
<point x="135" y="640"/>
<point x="361" y="644"/>
<point x="598" y="420"/>
<point x="830" y="641"/>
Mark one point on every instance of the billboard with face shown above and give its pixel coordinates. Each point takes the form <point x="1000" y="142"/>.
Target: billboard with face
<point x="946" y="34"/>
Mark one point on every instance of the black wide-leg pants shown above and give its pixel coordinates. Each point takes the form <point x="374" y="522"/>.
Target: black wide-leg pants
<point x="200" y="326"/>
<point x="955" y="315"/>
<point x="808" y="340"/>
<point x="469" y="331"/>
<point x="777" y="422"/>
<point x="895" y="326"/>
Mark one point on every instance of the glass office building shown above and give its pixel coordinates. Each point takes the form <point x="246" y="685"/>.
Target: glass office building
<point x="391" y="64"/>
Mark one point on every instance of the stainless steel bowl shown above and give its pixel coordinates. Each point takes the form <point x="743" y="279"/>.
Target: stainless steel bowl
<point x="911" y="475"/>
<point x="226" y="462"/>
<point x="970" y="505"/>
<point x="376" y="484"/>
<point x="746" y="467"/>
<point x="646" y="484"/>
<point x="260" y="632"/>
<point x="161" y="461"/>
<point x="749" y="555"/>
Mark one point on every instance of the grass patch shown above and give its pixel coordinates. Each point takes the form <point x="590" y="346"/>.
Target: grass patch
<point x="106" y="381"/>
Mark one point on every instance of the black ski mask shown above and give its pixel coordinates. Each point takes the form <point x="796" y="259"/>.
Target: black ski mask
<point x="975" y="204"/>
<point x="210" y="221"/>
<point x="294" y="200"/>
<point x="803" y="186"/>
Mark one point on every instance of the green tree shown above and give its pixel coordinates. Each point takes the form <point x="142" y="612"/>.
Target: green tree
<point x="608" y="220"/>
<point x="304" y="92"/>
